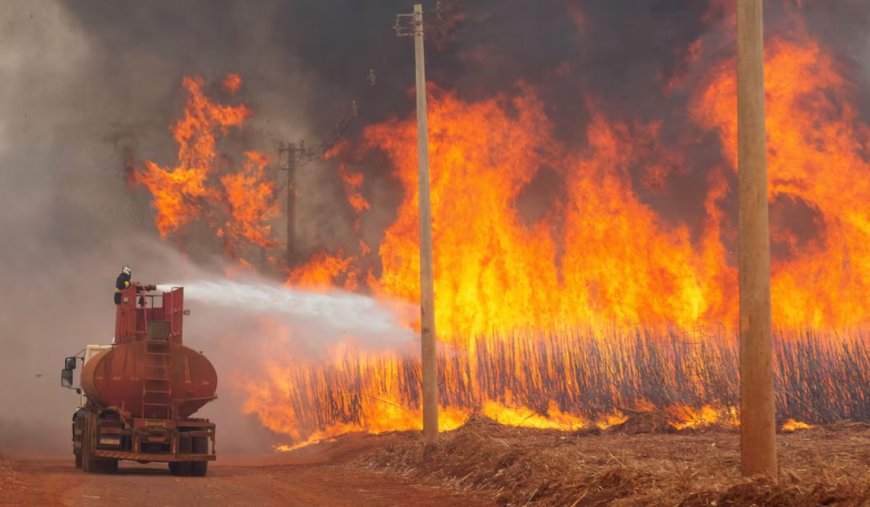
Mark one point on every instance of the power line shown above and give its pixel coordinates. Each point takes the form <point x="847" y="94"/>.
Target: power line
<point x="438" y="21"/>
<point x="296" y="156"/>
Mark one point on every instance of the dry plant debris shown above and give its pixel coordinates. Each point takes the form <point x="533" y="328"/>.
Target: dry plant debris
<point x="823" y="466"/>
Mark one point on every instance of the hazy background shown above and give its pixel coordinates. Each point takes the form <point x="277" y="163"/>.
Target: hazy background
<point x="87" y="84"/>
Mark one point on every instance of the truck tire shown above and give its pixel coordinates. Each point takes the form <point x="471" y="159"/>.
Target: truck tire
<point x="90" y="463"/>
<point x="200" y="446"/>
<point x="85" y="453"/>
<point x="182" y="468"/>
<point x="76" y="426"/>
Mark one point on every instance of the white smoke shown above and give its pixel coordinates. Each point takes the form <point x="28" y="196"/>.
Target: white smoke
<point x="331" y="316"/>
<point x="247" y="325"/>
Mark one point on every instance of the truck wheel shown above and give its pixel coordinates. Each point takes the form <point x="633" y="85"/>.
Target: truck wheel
<point x="77" y="425"/>
<point x="200" y="446"/>
<point x="89" y="463"/>
<point x="185" y="446"/>
<point x="85" y="453"/>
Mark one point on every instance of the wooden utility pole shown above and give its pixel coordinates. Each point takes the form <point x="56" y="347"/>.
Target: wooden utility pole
<point x="297" y="157"/>
<point x="293" y="154"/>
<point x="291" y="204"/>
<point x="757" y="404"/>
<point x="427" y="296"/>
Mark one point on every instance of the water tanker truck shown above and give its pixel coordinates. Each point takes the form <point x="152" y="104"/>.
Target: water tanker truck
<point x="138" y="394"/>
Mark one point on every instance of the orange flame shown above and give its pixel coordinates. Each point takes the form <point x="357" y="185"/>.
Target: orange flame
<point x="601" y="259"/>
<point x="815" y="158"/>
<point x="616" y="262"/>
<point x="600" y="255"/>
<point x="791" y="425"/>
<point x="192" y="190"/>
<point x="686" y="417"/>
<point x="554" y="315"/>
<point x="321" y="271"/>
<point x="232" y="83"/>
<point x="250" y="196"/>
<point x="352" y="183"/>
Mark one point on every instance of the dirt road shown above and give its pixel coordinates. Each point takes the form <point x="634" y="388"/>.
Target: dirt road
<point x="482" y="464"/>
<point x="57" y="482"/>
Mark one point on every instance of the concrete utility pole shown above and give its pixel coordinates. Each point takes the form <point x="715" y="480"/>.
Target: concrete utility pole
<point x="427" y="296"/>
<point x="757" y="404"/>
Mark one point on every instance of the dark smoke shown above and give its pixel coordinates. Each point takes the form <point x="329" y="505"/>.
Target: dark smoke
<point x="305" y="61"/>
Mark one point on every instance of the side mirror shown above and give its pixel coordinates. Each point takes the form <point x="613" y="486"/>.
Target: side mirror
<point x="69" y="363"/>
<point x="66" y="377"/>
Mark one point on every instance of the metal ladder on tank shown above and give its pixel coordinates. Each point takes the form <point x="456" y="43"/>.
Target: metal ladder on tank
<point x="157" y="385"/>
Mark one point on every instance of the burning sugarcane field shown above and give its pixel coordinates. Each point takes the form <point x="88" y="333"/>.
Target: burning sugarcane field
<point x="454" y="252"/>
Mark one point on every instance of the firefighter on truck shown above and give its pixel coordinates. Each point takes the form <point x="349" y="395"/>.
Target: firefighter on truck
<point x="124" y="280"/>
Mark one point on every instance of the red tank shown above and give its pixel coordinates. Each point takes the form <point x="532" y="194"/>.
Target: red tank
<point x="150" y="373"/>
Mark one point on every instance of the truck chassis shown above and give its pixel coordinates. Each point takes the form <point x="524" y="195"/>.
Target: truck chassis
<point x="103" y="436"/>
